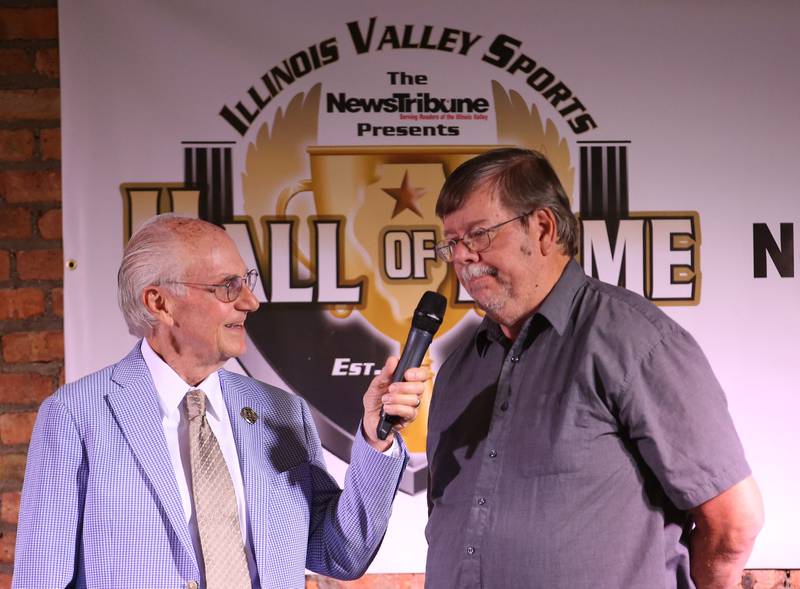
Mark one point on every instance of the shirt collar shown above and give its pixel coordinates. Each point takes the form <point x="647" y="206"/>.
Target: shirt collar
<point x="557" y="305"/>
<point x="171" y="388"/>
<point x="556" y="308"/>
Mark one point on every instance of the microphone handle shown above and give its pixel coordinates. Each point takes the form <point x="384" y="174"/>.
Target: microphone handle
<point x="413" y="353"/>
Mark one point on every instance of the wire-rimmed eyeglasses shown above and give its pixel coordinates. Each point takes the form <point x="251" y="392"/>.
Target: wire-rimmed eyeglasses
<point x="229" y="290"/>
<point x="476" y="240"/>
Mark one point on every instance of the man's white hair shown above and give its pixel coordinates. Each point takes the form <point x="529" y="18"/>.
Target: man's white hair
<point x="155" y="255"/>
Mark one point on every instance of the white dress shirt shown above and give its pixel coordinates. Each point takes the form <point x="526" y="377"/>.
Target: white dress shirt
<point x="171" y="390"/>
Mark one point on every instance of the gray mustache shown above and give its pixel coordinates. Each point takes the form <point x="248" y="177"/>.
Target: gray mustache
<point x="474" y="271"/>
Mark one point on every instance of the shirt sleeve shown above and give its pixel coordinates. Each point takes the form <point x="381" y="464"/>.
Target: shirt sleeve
<point x="393" y="450"/>
<point x="676" y="413"/>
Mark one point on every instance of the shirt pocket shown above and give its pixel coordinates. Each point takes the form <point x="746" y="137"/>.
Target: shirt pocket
<point x="550" y="434"/>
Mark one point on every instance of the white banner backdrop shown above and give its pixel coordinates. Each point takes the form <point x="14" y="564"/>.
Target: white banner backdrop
<point x="301" y="125"/>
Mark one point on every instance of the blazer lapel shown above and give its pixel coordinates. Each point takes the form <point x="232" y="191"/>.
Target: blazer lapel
<point x="249" y="440"/>
<point x="135" y="406"/>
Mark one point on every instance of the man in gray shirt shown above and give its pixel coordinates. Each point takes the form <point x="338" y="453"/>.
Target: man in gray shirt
<point x="578" y="438"/>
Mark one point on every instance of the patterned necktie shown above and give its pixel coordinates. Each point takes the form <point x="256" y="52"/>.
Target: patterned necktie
<point x="214" y="502"/>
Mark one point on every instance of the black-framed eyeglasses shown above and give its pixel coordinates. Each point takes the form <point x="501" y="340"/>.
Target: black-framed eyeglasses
<point x="477" y="240"/>
<point x="229" y="290"/>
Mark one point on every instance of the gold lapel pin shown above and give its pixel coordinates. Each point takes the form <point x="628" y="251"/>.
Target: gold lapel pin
<point x="249" y="415"/>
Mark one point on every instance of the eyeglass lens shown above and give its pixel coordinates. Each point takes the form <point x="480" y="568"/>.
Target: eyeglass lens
<point x="234" y="286"/>
<point x="476" y="241"/>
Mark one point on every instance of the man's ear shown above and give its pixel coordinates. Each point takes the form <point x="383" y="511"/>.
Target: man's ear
<point x="158" y="304"/>
<point x="544" y="230"/>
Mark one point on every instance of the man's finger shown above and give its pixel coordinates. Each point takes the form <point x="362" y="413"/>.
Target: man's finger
<point x="387" y="371"/>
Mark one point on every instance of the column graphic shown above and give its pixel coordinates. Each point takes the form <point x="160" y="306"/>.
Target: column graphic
<point x="208" y="167"/>
<point x="604" y="183"/>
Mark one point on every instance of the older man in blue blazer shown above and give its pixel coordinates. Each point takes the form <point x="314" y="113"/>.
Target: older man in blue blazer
<point x="109" y="499"/>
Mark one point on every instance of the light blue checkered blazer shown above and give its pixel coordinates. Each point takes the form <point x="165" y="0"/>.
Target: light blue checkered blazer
<point x="100" y="505"/>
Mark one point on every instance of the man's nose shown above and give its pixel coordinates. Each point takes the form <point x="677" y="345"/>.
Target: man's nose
<point x="462" y="254"/>
<point x="246" y="301"/>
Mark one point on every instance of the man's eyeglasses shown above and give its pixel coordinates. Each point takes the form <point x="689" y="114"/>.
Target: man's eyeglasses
<point x="229" y="290"/>
<point x="477" y="240"/>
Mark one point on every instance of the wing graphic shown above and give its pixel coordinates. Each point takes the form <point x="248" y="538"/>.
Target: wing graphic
<point x="519" y="124"/>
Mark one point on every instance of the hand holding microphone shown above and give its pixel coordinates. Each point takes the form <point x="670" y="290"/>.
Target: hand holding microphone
<point x="387" y="407"/>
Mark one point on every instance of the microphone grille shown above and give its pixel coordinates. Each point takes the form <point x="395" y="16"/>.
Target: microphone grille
<point x="429" y="313"/>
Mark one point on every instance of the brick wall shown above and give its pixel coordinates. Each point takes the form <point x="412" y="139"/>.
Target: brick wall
<point x="31" y="267"/>
<point x="31" y="307"/>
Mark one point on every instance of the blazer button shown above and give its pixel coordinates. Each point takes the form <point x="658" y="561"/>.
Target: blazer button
<point x="191" y="584"/>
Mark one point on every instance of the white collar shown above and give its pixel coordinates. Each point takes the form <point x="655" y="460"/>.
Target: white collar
<point x="171" y="388"/>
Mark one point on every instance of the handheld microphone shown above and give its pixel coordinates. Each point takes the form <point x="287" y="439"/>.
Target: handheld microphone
<point x="427" y="318"/>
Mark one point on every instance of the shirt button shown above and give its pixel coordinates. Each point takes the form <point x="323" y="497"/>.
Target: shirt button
<point x="504" y="406"/>
<point x="470" y="550"/>
<point x="482" y="501"/>
<point x="191" y="584"/>
<point x="515" y="359"/>
<point x="492" y="454"/>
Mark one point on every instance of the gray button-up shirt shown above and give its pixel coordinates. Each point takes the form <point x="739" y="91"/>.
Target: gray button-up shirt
<point x="568" y="457"/>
